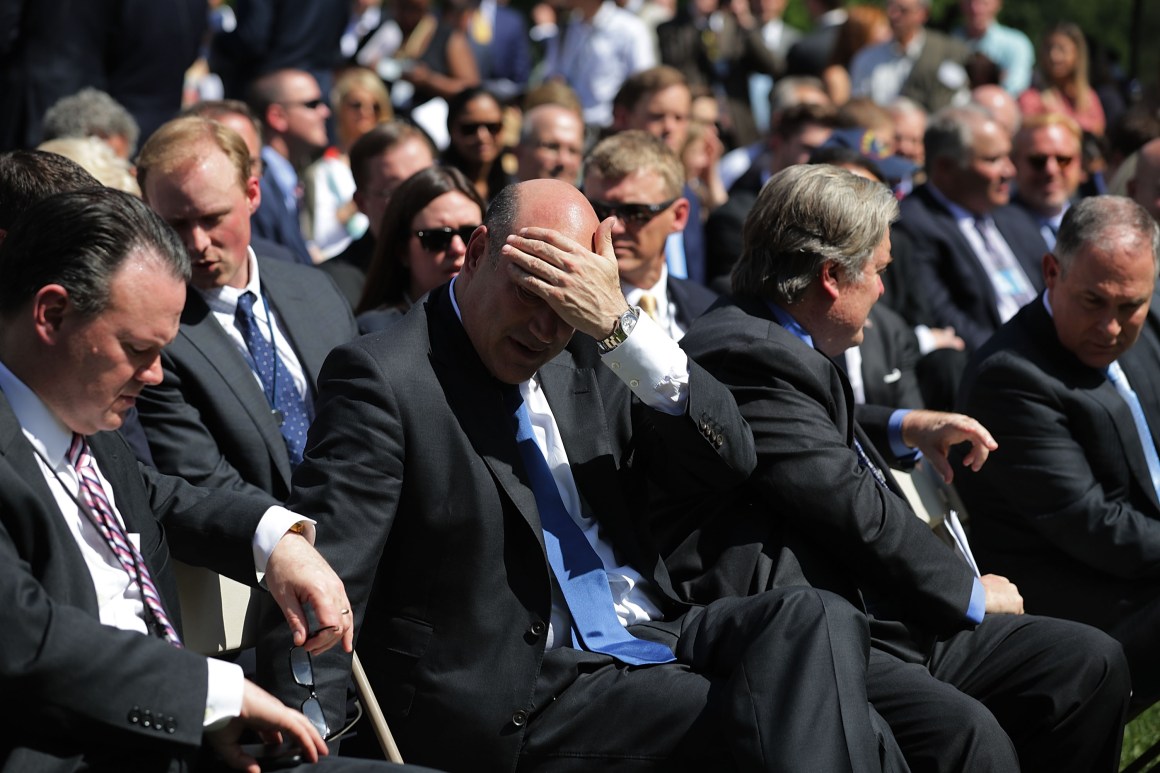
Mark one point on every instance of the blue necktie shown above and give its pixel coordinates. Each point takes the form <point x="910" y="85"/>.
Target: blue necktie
<point x="1116" y="376"/>
<point x="286" y="404"/>
<point x="579" y="571"/>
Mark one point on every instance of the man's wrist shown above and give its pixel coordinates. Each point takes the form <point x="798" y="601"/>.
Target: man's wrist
<point x="621" y="329"/>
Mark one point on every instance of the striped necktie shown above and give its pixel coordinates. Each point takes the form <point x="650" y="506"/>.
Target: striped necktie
<point x="100" y="512"/>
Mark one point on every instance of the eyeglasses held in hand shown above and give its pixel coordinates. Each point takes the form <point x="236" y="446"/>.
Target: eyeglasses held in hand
<point x="439" y="239"/>
<point x="630" y="214"/>
<point x="302" y="667"/>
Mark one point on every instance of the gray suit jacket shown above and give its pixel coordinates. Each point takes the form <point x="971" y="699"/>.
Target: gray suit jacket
<point x="209" y="420"/>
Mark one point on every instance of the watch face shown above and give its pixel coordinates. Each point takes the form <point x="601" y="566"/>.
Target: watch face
<point x="628" y="321"/>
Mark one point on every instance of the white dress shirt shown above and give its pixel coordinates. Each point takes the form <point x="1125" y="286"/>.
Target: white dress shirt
<point x="666" y="306"/>
<point x="118" y="596"/>
<point x="223" y="302"/>
<point x="657" y="371"/>
<point x="595" y="57"/>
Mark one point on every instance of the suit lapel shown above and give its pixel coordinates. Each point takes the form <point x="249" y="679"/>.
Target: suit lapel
<point x="476" y="399"/>
<point x="202" y="331"/>
<point x="295" y="313"/>
<point x="947" y="224"/>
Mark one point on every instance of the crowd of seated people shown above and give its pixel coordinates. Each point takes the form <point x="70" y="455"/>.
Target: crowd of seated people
<point x="572" y="364"/>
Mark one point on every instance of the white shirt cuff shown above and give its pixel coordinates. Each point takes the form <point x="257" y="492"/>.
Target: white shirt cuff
<point x="653" y="366"/>
<point x="926" y="343"/>
<point x="223" y="697"/>
<point x="271" y="529"/>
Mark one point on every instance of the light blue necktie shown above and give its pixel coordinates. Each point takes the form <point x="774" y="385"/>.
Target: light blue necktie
<point x="286" y="404"/>
<point x="1120" y="382"/>
<point x="578" y="570"/>
<point x="675" y="255"/>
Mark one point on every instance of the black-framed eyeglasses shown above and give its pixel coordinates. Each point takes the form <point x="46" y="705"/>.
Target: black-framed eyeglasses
<point x="630" y="214"/>
<point x="302" y="667"/>
<point x="309" y="104"/>
<point x="492" y="128"/>
<point x="1039" y="161"/>
<point x="439" y="239"/>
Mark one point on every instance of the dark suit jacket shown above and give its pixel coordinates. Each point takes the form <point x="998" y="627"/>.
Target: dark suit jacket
<point x="925" y="84"/>
<point x="810" y="513"/>
<point x="209" y="421"/>
<point x="273" y="221"/>
<point x="1065" y="507"/>
<point x="73" y="684"/>
<point x="278" y="34"/>
<point x="741" y="52"/>
<point x="506" y="61"/>
<point x="412" y="465"/>
<point x="951" y="279"/>
<point x="889" y="356"/>
<point x="692" y="299"/>
<point x="811" y="55"/>
<point x="348" y="269"/>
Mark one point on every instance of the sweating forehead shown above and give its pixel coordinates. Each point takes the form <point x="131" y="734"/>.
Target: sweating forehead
<point x="559" y="207"/>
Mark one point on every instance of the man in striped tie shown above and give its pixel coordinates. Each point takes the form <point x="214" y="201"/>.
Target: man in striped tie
<point x="91" y="655"/>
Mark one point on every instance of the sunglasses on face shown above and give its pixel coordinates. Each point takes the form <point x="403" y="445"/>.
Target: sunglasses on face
<point x="1039" y="162"/>
<point x="439" y="239"/>
<point x="310" y="104"/>
<point x="631" y="214"/>
<point x="473" y="128"/>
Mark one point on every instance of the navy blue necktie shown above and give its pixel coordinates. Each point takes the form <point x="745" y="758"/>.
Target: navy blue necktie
<point x="286" y="404"/>
<point x="578" y="569"/>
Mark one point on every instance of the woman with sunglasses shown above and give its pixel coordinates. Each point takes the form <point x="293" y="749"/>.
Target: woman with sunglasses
<point x="474" y="125"/>
<point x="360" y="102"/>
<point x="421" y="244"/>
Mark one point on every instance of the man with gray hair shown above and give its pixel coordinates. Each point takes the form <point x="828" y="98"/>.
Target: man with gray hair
<point x="93" y="113"/>
<point x="952" y="659"/>
<point x="975" y="259"/>
<point x="551" y="144"/>
<point x="1071" y="506"/>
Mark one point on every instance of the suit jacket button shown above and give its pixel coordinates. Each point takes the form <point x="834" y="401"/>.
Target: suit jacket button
<point x="146" y="718"/>
<point x="520" y="718"/>
<point x="537" y="629"/>
<point x="135" y="715"/>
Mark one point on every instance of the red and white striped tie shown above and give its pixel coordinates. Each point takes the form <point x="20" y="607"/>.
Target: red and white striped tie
<point x="100" y="512"/>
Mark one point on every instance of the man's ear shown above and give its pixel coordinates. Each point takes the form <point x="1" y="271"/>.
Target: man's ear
<point x="253" y="194"/>
<point x="831" y="280"/>
<point x="1051" y="270"/>
<point x="477" y="250"/>
<point x="275" y="117"/>
<point x="680" y="214"/>
<point x="50" y="306"/>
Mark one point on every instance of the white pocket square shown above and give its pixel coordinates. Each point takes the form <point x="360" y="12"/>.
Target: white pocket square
<point x="892" y="376"/>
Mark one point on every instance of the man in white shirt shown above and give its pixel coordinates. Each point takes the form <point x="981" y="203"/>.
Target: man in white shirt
<point x="634" y="177"/>
<point x="594" y="50"/>
<point x="95" y="284"/>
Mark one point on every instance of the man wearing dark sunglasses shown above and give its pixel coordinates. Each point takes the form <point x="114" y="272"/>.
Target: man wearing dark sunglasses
<point x="636" y="178"/>
<point x="1047" y="170"/>
<point x="293" y="112"/>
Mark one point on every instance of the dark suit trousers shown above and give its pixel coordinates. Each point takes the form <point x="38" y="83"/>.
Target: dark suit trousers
<point x="1056" y="688"/>
<point x="773" y="682"/>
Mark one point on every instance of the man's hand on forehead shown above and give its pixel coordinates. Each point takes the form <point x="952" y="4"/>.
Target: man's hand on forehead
<point x="581" y="286"/>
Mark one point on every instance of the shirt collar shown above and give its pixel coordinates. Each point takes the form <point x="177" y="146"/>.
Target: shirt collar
<point x="48" y="434"/>
<point x="657" y="290"/>
<point x="786" y="320"/>
<point x="958" y="213"/>
<point x="225" y="299"/>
